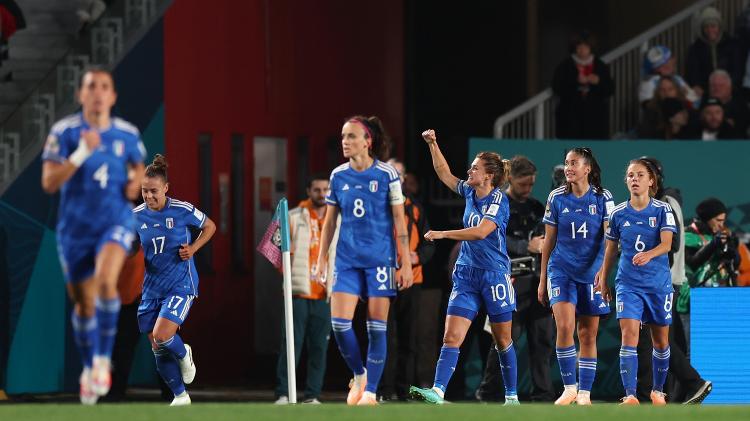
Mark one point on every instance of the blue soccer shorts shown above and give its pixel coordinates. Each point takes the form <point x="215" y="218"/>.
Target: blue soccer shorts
<point x="474" y="287"/>
<point x="77" y="254"/>
<point x="174" y="308"/>
<point x="366" y="282"/>
<point x="648" y="307"/>
<point x="562" y="289"/>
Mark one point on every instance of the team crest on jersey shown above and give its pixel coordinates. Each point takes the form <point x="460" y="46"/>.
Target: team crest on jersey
<point x="652" y="221"/>
<point x="592" y="209"/>
<point x="118" y="147"/>
<point x="373" y="185"/>
<point x="170" y="223"/>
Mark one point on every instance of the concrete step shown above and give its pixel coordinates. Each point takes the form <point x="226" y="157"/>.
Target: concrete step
<point x="22" y="65"/>
<point x="29" y="75"/>
<point x="24" y="39"/>
<point x="52" y="23"/>
<point x="52" y="53"/>
<point x="16" y="91"/>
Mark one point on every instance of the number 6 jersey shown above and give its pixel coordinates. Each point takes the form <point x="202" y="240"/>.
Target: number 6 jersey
<point x="161" y="234"/>
<point x="639" y="231"/>
<point x="364" y="199"/>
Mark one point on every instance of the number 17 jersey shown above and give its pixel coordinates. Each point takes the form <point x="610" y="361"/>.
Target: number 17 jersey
<point x="366" y="238"/>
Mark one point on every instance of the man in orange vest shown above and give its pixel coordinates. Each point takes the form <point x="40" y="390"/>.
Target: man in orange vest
<point x="400" y="365"/>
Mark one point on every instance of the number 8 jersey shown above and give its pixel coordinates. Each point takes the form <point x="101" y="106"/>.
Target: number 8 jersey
<point x="639" y="231"/>
<point x="364" y="199"/>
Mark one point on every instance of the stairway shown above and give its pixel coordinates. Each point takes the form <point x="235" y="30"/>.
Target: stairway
<point x="51" y="28"/>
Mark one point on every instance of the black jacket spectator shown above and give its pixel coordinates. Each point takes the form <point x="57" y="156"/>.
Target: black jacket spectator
<point x="710" y="52"/>
<point x="583" y="108"/>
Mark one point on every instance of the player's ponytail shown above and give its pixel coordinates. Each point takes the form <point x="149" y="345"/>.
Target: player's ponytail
<point x="380" y="146"/>
<point x="158" y="168"/>
<point x="495" y="165"/>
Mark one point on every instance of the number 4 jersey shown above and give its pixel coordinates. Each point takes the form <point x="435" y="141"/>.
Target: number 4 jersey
<point x="639" y="231"/>
<point x="161" y="235"/>
<point x="93" y="199"/>
<point x="366" y="237"/>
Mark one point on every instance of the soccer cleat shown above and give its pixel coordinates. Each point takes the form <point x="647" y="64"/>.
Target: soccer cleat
<point x="583" y="399"/>
<point x="101" y="376"/>
<point x="356" y="389"/>
<point x="511" y="401"/>
<point x="183" y="399"/>
<point x="282" y="400"/>
<point x="312" y="401"/>
<point x="658" y="398"/>
<point x="428" y="395"/>
<point x="699" y="394"/>
<point x="187" y="365"/>
<point x="629" y="400"/>
<point x="88" y="397"/>
<point x="368" y="399"/>
<point x="568" y="396"/>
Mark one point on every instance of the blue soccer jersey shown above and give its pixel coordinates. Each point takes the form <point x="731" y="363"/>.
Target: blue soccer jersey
<point x="366" y="236"/>
<point x="92" y="201"/>
<point x="162" y="233"/>
<point x="489" y="253"/>
<point x="579" y="250"/>
<point x="639" y="231"/>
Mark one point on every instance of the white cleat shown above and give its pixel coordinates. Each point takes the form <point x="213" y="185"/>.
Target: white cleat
<point x="583" y="399"/>
<point x="282" y="400"/>
<point x="183" y="399"/>
<point x="187" y="365"/>
<point x="88" y="397"/>
<point x="101" y="376"/>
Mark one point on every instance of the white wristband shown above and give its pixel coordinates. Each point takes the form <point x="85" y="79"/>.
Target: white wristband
<point x="80" y="154"/>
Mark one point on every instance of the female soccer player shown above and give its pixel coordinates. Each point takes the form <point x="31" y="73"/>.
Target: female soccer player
<point x="171" y="283"/>
<point x="482" y="271"/>
<point x="96" y="162"/>
<point x="643" y="227"/>
<point x="366" y="192"/>
<point x="575" y="221"/>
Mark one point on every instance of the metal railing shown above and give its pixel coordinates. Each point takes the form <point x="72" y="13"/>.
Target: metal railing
<point x="23" y="133"/>
<point x="535" y="118"/>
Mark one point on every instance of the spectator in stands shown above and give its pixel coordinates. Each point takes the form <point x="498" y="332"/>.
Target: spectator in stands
<point x="735" y="109"/>
<point x="657" y="64"/>
<point x="712" y="50"/>
<point x="686" y="384"/>
<point x="583" y="85"/>
<point x="11" y="20"/>
<point x="400" y="364"/>
<point x="713" y="124"/>
<point x="667" y="114"/>
<point x="311" y="312"/>
<point x="524" y="238"/>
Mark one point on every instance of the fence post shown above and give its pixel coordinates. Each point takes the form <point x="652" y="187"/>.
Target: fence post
<point x="539" y="120"/>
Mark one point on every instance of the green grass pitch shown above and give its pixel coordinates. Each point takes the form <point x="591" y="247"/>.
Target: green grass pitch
<point x="389" y="412"/>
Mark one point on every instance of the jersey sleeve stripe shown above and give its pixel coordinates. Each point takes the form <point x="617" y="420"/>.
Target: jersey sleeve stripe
<point x="66" y="123"/>
<point x="556" y="192"/>
<point x="607" y="194"/>
<point x="126" y="126"/>
<point x="187" y="208"/>
<point x="392" y="173"/>
<point x="340" y="168"/>
<point x="140" y="207"/>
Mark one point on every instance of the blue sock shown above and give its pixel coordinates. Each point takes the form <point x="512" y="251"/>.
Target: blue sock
<point x="660" y="363"/>
<point x="107" y="313"/>
<point x="509" y="369"/>
<point x="446" y="365"/>
<point x="586" y="373"/>
<point x="566" y="358"/>
<point x="376" y="350"/>
<point x="86" y="335"/>
<point x="348" y="345"/>
<point x="175" y="346"/>
<point x="629" y="368"/>
<point x="169" y="369"/>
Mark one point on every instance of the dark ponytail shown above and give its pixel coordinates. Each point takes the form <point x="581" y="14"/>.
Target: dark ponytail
<point x="158" y="168"/>
<point x="595" y="175"/>
<point x="374" y="129"/>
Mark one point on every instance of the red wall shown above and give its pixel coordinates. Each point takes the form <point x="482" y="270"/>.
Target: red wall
<point x="267" y="68"/>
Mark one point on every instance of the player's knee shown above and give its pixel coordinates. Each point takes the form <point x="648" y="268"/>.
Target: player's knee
<point x="452" y="339"/>
<point x="86" y="307"/>
<point x="565" y="328"/>
<point x="161" y="337"/>
<point x="586" y="336"/>
<point x="504" y="341"/>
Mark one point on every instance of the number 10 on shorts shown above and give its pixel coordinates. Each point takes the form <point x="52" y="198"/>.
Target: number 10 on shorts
<point x="504" y="290"/>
